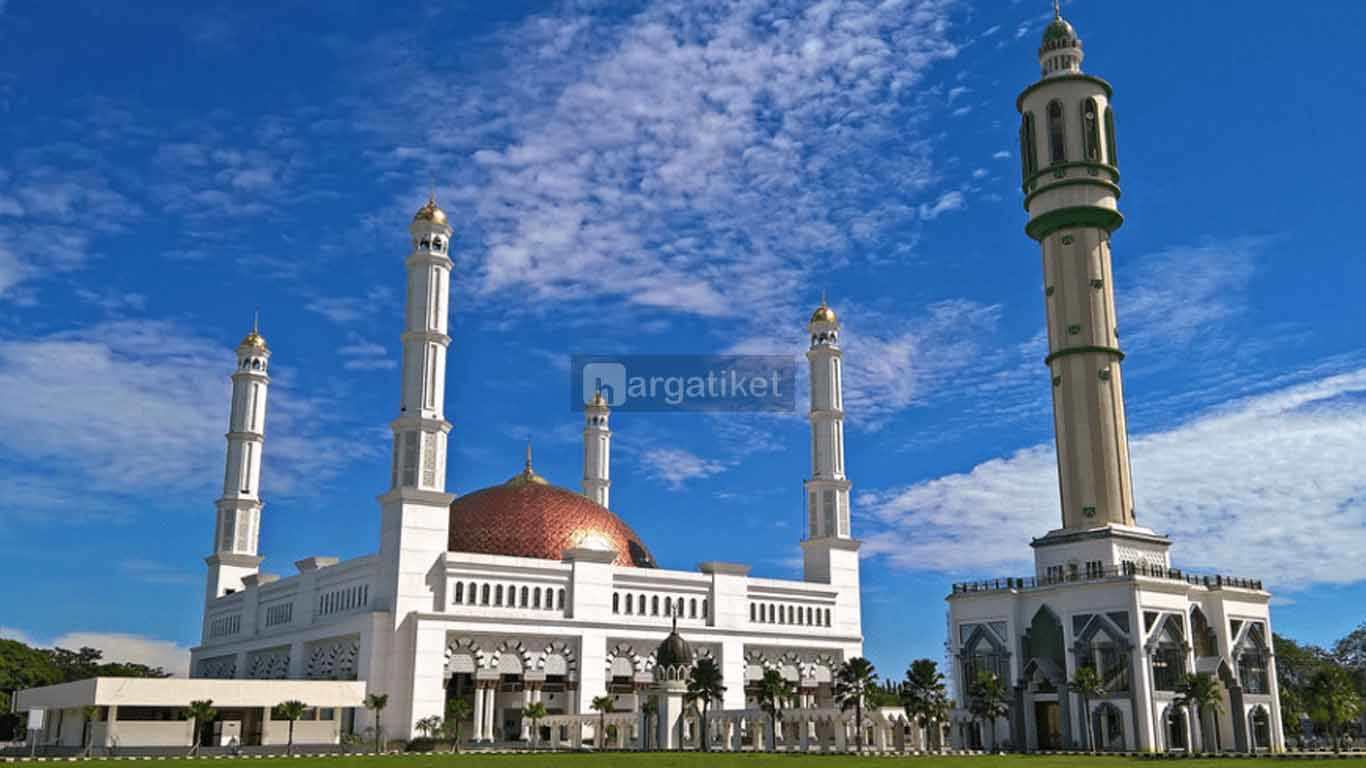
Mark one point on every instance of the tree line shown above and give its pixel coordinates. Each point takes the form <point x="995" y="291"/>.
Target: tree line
<point x="23" y="666"/>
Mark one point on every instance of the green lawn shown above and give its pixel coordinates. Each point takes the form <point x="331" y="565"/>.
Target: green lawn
<point x="696" y="760"/>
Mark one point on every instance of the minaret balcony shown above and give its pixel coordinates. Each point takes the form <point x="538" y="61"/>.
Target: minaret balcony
<point x="1122" y="572"/>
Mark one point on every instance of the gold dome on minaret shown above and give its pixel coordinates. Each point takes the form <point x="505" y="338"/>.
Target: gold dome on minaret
<point x="254" y="339"/>
<point x="430" y="212"/>
<point x="824" y="314"/>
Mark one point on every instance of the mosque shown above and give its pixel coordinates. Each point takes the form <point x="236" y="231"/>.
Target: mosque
<point x="529" y="592"/>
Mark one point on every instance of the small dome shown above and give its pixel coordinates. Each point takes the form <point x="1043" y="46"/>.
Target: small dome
<point x="430" y="212"/>
<point x="824" y="314"/>
<point x="674" y="651"/>
<point x="1058" y="29"/>
<point x="253" y="340"/>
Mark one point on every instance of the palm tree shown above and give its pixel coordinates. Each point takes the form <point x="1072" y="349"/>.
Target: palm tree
<point x="651" y="710"/>
<point x="291" y="710"/>
<point x="852" y="683"/>
<point x="1088" y="685"/>
<point x="1201" y="692"/>
<point x="457" y="711"/>
<point x="704" y="684"/>
<point x="924" y="695"/>
<point x="1334" y="701"/>
<point x="534" y="712"/>
<point x="987" y="701"/>
<point x="88" y="731"/>
<point x="199" y="712"/>
<point x="428" y="726"/>
<point x="376" y="702"/>
<point x="774" y="689"/>
<point x="602" y="705"/>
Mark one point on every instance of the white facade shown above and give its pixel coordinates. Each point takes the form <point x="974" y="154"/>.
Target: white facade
<point x="1104" y="593"/>
<point x="424" y="624"/>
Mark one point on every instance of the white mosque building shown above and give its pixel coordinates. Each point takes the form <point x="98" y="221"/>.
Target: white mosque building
<point x="522" y="592"/>
<point x="1104" y="593"/>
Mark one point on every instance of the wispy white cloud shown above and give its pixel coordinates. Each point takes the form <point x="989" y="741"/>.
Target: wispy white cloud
<point x="344" y="310"/>
<point x="1001" y="155"/>
<point x="676" y="466"/>
<point x="364" y="355"/>
<point x="1265" y="486"/>
<point x="949" y="201"/>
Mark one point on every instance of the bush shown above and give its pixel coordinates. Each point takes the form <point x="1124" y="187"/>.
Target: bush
<point x="423" y="744"/>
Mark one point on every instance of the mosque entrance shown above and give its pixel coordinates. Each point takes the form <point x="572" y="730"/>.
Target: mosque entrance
<point x="1048" y="724"/>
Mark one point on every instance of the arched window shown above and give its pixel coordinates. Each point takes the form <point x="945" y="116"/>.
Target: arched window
<point x="524" y="596"/>
<point x="562" y="599"/>
<point x="692" y="608"/>
<point x="1057" y="137"/>
<point x="641" y="602"/>
<point x="498" y="595"/>
<point x="616" y="603"/>
<point x="752" y="612"/>
<point x="536" y="598"/>
<point x="668" y="607"/>
<point x="654" y="605"/>
<point x="704" y="607"/>
<point x="1029" y="152"/>
<point x="1090" y="131"/>
<point x="459" y="592"/>
<point x="484" y="595"/>
<point x="1111" y="154"/>
<point x="630" y="605"/>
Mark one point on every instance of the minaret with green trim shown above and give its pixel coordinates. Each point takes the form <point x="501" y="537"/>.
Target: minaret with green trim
<point x="1071" y="191"/>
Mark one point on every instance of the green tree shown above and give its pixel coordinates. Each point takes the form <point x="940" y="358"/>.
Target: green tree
<point x="1334" y="701"/>
<point x="376" y="702"/>
<point x="987" y="697"/>
<point x="651" y="711"/>
<point x="428" y="726"/>
<point x="534" y="712"/>
<point x="1200" y="692"/>
<point x="774" y="689"/>
<point x="705" y="685"/>
<point x="1296" y="665"/>
<point x="602" y="705"/>
<point x="291" y="710"/>
<point x="852" y="682"/>
<point x="1088" y="686"/>
<point x="199" y="712"/>
<point x="924" y="695"/>
<point x="89" y="712"/>
<point x="457" y="712"/>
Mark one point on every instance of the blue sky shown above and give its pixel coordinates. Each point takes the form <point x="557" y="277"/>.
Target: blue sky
<point x="673" y="177"/>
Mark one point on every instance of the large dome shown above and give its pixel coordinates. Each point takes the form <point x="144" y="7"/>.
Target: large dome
<point x="527" y="518"/>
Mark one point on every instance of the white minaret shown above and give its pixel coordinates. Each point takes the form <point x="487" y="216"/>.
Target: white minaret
<point x="597" y="451"/>
<point x="829" y="551"/>
<point x="415" y="512"/>
<point x="1071" y="191"/>
<point x="239" y="508"/>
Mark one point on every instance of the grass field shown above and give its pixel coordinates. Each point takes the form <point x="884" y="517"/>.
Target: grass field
<point x="720" y="759"/>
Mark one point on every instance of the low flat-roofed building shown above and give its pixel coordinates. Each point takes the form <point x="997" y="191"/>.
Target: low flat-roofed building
<point x="150" y="712"/>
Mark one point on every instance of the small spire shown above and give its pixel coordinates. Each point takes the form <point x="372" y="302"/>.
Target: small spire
<point x="1057" y="9"/>
<point x="528" y="455"/>
<point x="823" y="304"/>
<point x="675" y="627"/>
<point x="256" y="321"/>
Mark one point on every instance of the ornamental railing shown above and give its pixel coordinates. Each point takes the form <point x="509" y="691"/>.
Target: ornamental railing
<point x="1122" y="571"/>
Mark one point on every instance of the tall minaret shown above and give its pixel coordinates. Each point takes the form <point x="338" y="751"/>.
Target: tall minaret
<point x="829" y="551"/>
<point x="1071" y="191"/>
<point x="597" y="451"/>
<point x="415" y="512"/>
<point x="239" y="508"/>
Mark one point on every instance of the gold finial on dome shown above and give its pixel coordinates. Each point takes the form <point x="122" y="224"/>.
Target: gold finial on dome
<point x="430" y="211"/>
<point x="823" y="313"/>
<point x="598" y="400"/>
<point x="254" y="339"/>
<point x="527" y="475"/>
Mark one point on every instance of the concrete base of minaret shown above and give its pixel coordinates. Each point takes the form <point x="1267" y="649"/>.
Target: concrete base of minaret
<point x="1069" y="551"/>
<point x="669" y="696"/>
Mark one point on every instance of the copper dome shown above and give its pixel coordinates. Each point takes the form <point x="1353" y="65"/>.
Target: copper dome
<point x="529" y="519"/>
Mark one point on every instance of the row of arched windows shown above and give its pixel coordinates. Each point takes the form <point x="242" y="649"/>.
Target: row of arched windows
<point x="1091" y="119"/>
<point x="801" y="616"/>
<point x="624" y="603"/>
<point x="509" y="596"/>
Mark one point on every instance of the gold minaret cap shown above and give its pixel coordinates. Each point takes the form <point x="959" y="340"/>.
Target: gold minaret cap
<point x="254" y="339"/>
<point x="823" y="313"/>
<point x="430" y="212"/>
<point x="527" y="475"/>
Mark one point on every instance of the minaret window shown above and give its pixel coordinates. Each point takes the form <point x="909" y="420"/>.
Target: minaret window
<point x="1090" y="130"/>
<point x="1057" y="137"/>
<point x="246" y="470"/>
<point x="1111" y="155"/>
<point x="1029" y="155"/>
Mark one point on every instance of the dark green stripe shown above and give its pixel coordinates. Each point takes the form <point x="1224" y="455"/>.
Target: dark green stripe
<point x="1068" y="183"/>
<point x="1081" y="351"/>
<point x="1045" y="224"/>
<point x="1047" y="171"/>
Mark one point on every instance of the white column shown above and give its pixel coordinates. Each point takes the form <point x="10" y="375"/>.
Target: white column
<point x="479" y="695"/>
<point x="491" y="724"/>
<point x="526" y="702"/>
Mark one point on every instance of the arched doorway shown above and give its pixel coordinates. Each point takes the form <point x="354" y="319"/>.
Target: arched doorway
<point x="1259" y="729"/>
<point x="1174" y="728"/>
<point x="1107" y="723"/>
